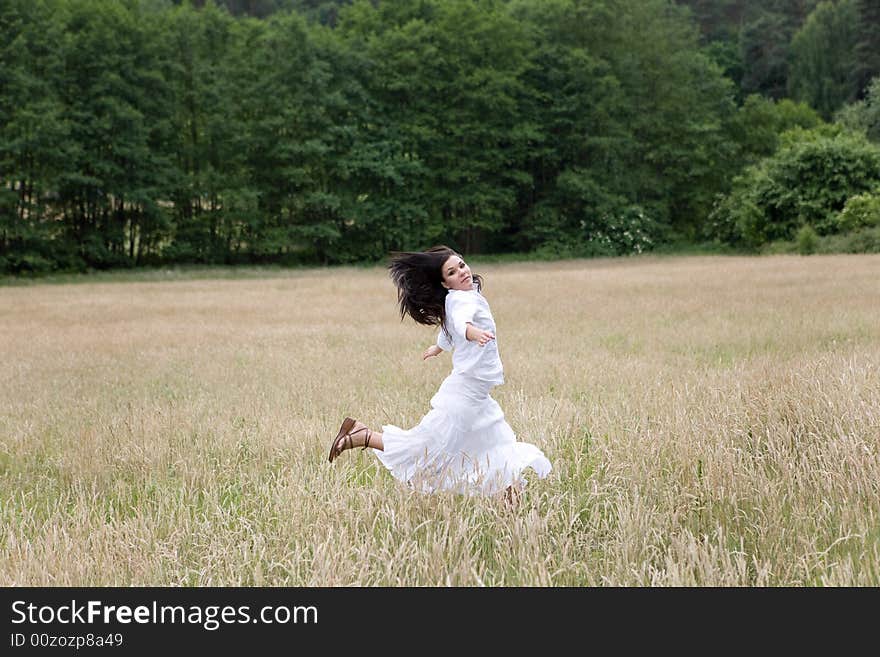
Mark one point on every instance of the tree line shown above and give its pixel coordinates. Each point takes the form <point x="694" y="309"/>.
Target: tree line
<point x="140" y="132"/>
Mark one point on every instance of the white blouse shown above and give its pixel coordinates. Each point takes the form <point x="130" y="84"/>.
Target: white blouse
<point x="469" y="358"/>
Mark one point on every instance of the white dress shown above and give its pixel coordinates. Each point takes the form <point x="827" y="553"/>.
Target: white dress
<point x="463" y="444"/>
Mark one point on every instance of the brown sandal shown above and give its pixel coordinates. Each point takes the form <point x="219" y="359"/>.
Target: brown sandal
<point x="345" y="438"/>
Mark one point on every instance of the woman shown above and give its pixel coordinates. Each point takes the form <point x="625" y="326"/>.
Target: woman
<point x="464" y="443"/>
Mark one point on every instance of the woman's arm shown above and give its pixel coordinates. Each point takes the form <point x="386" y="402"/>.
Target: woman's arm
<point x="480" y="336"/>
<point x="444" y="341"/>
<point x="432" y="351"/>
<point x="472" y="333"/>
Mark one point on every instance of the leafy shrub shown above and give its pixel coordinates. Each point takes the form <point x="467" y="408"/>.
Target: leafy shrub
<point x="866" y="240"/>
<point x="807" y="181"/>
<point x="628" y="230"/>
<point x="621" y="231"/>
<point x="860" y="211"/>
<point x="780" y="247"/>
<point x="807" y="240"/>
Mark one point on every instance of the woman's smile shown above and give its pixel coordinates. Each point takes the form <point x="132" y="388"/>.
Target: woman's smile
<point x="456" y="274"/>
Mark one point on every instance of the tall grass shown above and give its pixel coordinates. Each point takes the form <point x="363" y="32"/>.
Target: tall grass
<point x="711" y="421"/>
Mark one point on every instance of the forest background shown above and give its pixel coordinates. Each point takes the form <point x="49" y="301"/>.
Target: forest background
<point x="150" y="132"/>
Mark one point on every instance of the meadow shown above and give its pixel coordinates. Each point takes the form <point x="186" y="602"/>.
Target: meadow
<point x="712" y="421"/>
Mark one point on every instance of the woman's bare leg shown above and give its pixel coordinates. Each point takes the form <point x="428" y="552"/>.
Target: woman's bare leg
<point x="358" y="438"/>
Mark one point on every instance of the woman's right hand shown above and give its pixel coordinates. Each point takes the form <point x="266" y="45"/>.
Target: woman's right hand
<point x="431" y="351"/>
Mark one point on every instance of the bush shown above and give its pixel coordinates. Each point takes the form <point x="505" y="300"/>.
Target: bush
<point x="866" y="240"/>
<point x="629" y="230"/>
<point x="626" y="231"/>
<point x="807" y="240"/>
<point x="860" y="211"/>
<point x="780" y="247"/>
<point x="807" y="181"/>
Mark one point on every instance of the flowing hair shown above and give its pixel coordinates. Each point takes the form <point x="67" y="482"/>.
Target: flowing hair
<point x="418" y="277"/>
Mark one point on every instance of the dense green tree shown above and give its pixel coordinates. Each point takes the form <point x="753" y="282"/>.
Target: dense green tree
<point x="679" y="104"/>
<point x="578" y="153"/>
<point x="764" y="47"/>
<point x="823" y="57"/>
<point x="146" y="131"/>
<point x="750" y="40"/>
<point x="325" y="12"/>
<point x="718" y="19"/>
<point x="761" y="121"/>
<point x="867" y="50"/>
<point x="635" y="118"/>
<point x="34" y="136"/>
<point x="450" y="75"/>
<point x="212" y="199"/>
<point x="301" y="129"/>
<point x="117" y="107"/>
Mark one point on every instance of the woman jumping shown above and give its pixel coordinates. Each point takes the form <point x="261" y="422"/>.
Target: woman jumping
<point x="463" y="444"/>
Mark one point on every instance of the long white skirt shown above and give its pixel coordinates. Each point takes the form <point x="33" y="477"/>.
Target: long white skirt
<point x="463" y="444"/>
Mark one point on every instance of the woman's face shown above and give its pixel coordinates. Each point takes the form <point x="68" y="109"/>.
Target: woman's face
<point x="456" y="274"/>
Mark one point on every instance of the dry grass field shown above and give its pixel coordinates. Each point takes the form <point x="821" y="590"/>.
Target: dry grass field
<point x="711" y="421"/>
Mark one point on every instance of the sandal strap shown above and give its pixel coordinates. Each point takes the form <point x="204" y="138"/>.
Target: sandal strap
<point x="350" y="436"/>
<point x="343" y="444"/>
